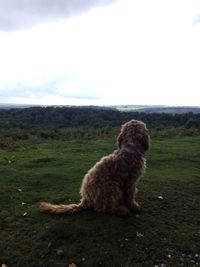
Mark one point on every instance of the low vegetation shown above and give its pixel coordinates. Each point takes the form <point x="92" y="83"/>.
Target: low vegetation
<point x="48" y="163"/>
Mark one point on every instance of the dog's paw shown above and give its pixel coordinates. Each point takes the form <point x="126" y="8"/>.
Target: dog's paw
<point x="135" y="207"/>
<point x="122" y="211"/>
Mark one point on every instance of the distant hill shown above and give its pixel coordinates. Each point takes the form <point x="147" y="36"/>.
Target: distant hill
<point x="125" y="108"/>
<point x="10" y="106"/>
<point x="61" y="117"/>
<point x="158" y="109"/>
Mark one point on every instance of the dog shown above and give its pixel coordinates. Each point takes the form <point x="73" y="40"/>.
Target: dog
<point x="110" y="186"/>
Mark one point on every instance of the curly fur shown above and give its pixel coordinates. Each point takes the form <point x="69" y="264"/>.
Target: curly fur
<point x="111" y="185"/>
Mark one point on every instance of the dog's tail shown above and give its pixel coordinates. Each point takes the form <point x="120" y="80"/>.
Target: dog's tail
<point x="61" y="209"/>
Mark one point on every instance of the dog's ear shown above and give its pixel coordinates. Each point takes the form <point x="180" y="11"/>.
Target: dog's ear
<point x="144" y="141"/>
<point x="119" y="140"/>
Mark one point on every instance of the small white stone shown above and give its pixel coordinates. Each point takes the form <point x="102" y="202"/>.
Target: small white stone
<point x="59" y="252"/>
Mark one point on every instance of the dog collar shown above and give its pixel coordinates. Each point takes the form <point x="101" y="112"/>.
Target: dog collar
<point x="133" y="150"/>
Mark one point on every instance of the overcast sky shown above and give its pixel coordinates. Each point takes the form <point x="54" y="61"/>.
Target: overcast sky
<point x="100" y="52"/>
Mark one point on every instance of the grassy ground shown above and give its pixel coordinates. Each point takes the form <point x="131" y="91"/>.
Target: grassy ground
<point x="166" y="233"/>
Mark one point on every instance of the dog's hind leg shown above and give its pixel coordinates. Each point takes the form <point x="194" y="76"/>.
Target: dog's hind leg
<point x="117" y="206"/>
<point x="121" y="211"/>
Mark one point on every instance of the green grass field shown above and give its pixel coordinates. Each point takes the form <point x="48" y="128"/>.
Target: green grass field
<point x="166" y="233"/>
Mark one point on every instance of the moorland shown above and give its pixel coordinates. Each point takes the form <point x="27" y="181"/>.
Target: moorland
<point x="44" y="154"/>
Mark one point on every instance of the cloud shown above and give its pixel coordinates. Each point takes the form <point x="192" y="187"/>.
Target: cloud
<point x="196" y="19"/>
<point x="58" y="87"/>
<point x="22" y="14"/>
<point x="129" y="52"/>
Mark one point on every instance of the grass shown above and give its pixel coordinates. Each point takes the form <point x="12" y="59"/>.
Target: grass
<point x="166" y="233"/>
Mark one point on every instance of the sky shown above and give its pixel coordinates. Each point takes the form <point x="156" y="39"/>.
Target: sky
<point x="100" y="52"/>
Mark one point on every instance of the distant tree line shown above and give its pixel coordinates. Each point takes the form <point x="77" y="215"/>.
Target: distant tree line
<point x="69" y="117"/>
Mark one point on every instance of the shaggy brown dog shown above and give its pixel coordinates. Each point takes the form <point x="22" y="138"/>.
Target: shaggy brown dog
<point x="111" y="185"/>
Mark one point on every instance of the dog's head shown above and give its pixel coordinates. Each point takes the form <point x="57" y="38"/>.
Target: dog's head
<point x="134" y="132"/>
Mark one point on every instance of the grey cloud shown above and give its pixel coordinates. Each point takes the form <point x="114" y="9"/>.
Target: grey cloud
<point x="48" y="88"/>
<point x="20" y="14"/>
<point x="28" y="88"/>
